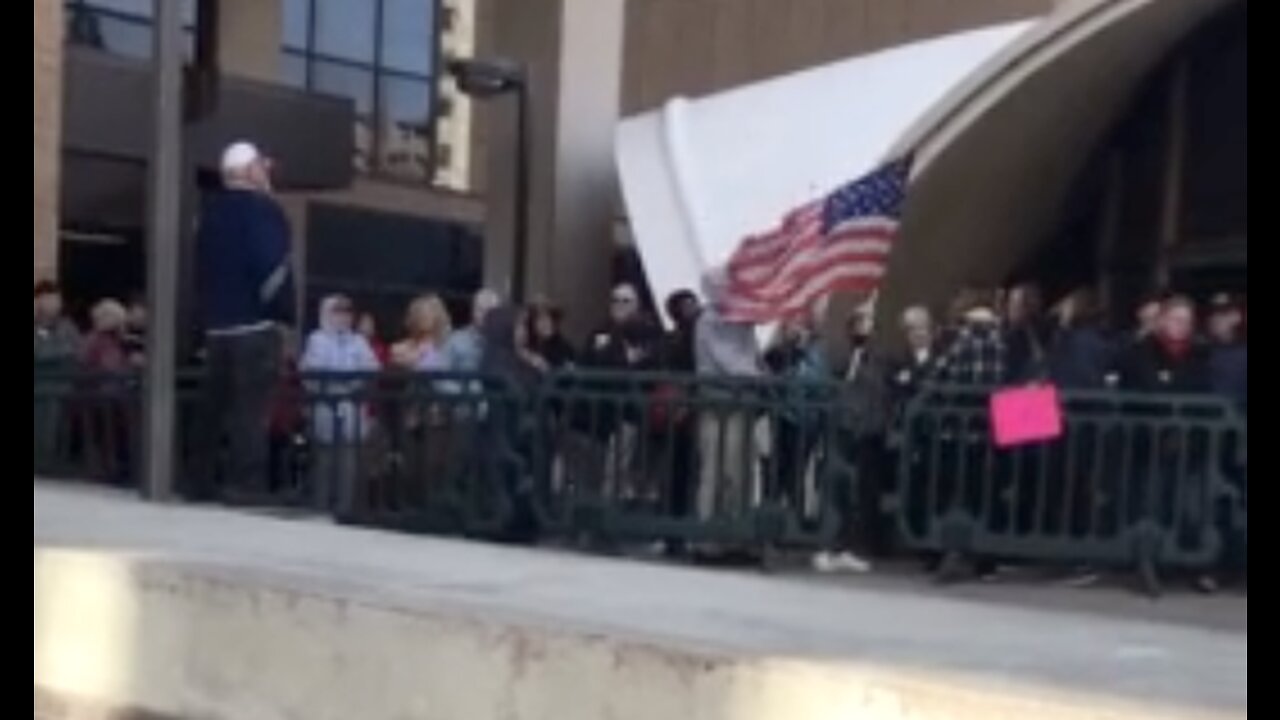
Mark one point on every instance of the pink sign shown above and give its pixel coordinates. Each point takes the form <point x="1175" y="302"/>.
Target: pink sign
<point x="1026" y="415"/>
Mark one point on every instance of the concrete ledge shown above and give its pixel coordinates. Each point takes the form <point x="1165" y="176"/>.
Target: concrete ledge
<point x="58" y="706"/>
<point x="200" y="628"/>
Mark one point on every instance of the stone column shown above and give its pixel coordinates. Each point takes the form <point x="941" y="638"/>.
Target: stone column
<point x="48" y="136"/>
<point x="573" y="51"/>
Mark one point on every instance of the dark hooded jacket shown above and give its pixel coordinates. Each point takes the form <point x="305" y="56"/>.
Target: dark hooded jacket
<point x="500" y="358"/>
<point x="500" y="361"/>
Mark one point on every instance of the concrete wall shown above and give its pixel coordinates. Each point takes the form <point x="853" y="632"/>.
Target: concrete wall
<point x="116" y="632"/>
<point x="48" y="118"/>
<point x="207" y="613"/>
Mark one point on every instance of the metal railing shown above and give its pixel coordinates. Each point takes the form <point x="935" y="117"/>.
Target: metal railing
<point x="643" y="457"/>
<point x="1147" y="480"/>
<point x="607" y="459"/>
<point x="594" y="458"/>
<point x="84" y="426"/>
<point x="598" y="458"/>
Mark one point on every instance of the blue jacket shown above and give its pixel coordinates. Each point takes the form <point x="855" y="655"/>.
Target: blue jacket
<point x="463" y="351"/>
<point x="336" y="417"/>
<point x="244" y="271"/>
<point x="1229" y="373"/>
<point x="1082" y="358"/>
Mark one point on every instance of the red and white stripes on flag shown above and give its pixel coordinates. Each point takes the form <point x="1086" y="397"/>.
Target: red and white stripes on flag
<point x="839" y="243"/>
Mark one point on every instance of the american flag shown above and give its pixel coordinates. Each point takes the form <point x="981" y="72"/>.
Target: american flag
<point x="840" y="242"/>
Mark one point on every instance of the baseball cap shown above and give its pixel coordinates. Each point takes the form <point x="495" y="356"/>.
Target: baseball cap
<point x="239" y="155"/>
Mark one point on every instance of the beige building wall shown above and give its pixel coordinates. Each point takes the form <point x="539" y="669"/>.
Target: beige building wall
<point x="572" y="50"/>
<point x="48" y="117"/>
<point x="249" y="33"/>
<point x="527" y="31"/>
<point x="694" y="47"/>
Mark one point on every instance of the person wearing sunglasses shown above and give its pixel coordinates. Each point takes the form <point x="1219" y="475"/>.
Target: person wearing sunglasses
<point x="603" y="430"/>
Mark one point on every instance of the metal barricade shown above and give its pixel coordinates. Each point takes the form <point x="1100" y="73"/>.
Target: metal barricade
<point x="604" y="458"/>
<point x="751" y="465"/>
<point x="433" y="453"/>
<point x="607" y="459"/>
<point x="86" y="426"/>
<point x="1136" y="480"/>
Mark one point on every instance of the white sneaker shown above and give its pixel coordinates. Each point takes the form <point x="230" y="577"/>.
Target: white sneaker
<point x="823" y="561"/>
<point x="829" y="562"/>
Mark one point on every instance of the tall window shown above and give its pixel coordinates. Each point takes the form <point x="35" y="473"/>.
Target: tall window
<point x="382" y="55"/>
<point x="121" y="27"/>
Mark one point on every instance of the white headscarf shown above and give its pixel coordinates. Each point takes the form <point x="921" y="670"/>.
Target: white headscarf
<point x="336" y="348"/>
<point x="329" y="312"/>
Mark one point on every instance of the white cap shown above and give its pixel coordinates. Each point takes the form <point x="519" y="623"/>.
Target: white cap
<point x="239" y="155"/>
<point x="916" y="315"/>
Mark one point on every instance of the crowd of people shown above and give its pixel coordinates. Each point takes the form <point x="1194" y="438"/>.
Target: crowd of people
<point x="986" y="339"/>
<point x="716" y="459"/>
<point x="115" y="340"/>
<point x="72" y="360"/>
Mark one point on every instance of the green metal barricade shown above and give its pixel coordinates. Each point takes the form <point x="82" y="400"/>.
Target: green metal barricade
<point x="1136" y="480"/>
<point x="86" y="426"/>
<point x="748" y="464"/>
<point x="435" y="453"/>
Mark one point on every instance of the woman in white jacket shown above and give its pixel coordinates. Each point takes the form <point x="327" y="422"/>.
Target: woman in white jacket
<point x="338" y="425"/>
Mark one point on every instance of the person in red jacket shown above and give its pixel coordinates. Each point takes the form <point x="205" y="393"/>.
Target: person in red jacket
<point x="1165" y="484"/>
<point x="285" y="439"/>
<point x="1170" y="360"/>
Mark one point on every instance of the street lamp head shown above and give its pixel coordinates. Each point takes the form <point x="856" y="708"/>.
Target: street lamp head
<point x="491" y="78"/>
<point x="486" y="78"/>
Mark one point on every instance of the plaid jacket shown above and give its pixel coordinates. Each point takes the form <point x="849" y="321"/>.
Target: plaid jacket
<point x="977" y="356"/>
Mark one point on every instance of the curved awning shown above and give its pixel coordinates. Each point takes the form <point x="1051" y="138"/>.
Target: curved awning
<point x="998" y="156"/>
<point x="699" y="175"/>
<point x="1002" y="120"/>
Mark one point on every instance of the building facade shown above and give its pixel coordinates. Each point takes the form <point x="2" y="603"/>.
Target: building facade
<point x="423" y="201"/>
<point x="1108" y="148"/>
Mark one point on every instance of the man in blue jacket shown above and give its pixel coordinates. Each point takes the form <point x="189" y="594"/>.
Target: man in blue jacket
<point x="245" y="277"/>
<point x="1228" y="351"/>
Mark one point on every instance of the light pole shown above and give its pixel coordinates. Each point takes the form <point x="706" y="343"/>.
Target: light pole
<point x="483" y="79"/>
<point x="165" y="168"/>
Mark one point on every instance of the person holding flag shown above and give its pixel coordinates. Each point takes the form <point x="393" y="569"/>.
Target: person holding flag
<point x="724" y="348"/>
<point x="839" y="243"/>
